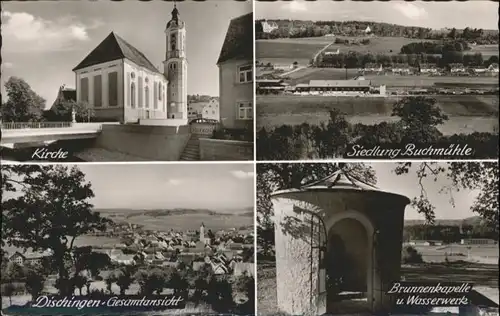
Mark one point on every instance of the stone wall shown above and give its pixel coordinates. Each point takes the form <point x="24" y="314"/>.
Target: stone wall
<point x="156" y="143"/>
<point x="218" y="149"/>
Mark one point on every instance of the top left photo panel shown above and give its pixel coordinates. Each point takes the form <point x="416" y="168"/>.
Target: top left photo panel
<point x="127" y="81"/>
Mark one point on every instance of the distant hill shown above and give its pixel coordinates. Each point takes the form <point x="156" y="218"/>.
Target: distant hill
<point x="182" y="218"/>
<point x="128" y="213"/>
<point x="474" y="220"/>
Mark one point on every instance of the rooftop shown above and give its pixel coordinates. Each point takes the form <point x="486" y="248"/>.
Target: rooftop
<point x="337" y="83"/>
<point x="238" y="43"/>
<point x="113" y="47"/>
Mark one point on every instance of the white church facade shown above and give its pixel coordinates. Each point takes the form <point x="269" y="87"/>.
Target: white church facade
<point x="121" y="84"/>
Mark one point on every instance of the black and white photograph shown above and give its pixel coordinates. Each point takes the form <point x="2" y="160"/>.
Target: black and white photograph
<point x="127" y="81"/>
<point x="124" y="233"/>
<point x="331" y="75"/>
<point x="341" y="239"/>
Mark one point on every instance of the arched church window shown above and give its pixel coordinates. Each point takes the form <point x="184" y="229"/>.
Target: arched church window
<point x="132" y="95"/>
<point x="146" y="95"/>
<point x="160" y="91"/>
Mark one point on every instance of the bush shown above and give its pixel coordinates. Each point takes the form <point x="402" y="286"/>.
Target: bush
<point x="411" y="255"/>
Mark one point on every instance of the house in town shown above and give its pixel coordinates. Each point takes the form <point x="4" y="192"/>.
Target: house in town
<point x="235" y="64"/>
<point x="210" y="110"/>
<point x="64" y="94"/>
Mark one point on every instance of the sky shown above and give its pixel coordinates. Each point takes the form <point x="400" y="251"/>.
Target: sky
<point x="218" y="187"/>
<point x="44" y="40"/>
<point x="436" y="15"/>
<point x="408" y="185"/>
<point x="152" y="186"/>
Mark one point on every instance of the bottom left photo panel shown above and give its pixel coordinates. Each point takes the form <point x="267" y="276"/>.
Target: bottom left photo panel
<point x="128" y="239"/>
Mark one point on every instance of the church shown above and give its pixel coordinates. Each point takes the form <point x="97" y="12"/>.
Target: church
<point x="121" y="84"/>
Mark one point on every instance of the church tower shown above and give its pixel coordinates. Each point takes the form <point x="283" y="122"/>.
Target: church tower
<point x="175" y="67"/>
<point x="202" y="232"/>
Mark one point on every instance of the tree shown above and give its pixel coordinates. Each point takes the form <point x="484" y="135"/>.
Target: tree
<point x="150" y="281"/>
<point x="50" y="210"/>
<point x="220" y="295"/>
<point x="34" y="283"/>
<point x="63" y="111"/>
<point x="480" y="176"/>
<point x="8" y="289"/>
<point x="23" y="104"/>
<point x="420" y="117"/>
<point x="124" y="278"/>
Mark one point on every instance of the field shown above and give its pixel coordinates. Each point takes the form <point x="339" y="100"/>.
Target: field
<point x="485" y="50"/>
<point x="477" y="253"/>
<point x="466" y="113"/>
<point x="289" y="50"/>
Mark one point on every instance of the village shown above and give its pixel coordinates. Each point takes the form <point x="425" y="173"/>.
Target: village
<point x="226" y="252"/>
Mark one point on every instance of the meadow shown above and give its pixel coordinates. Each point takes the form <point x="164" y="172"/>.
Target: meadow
<point x="486" y="50"/>
<point x="289" y="50"/>
<point x="467" y="113"/>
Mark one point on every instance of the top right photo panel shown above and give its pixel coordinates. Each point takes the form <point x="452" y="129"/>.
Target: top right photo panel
<point x="376" y="80"/>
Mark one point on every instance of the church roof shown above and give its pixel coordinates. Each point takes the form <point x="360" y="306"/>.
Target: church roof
<point x="238" y="43"/>
<point x="114" y="47"/>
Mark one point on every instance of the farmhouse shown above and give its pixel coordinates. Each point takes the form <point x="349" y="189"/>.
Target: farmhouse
<point x="493" y="68"/>
<point x="336" y="52"/>
<point x="478" y="241"/>
<point x="29" y="257"/>
<point x="457" y="68"/>
<point x="269" y="26"/>
<point x="268" y="86"/>
<point x="373" y="67"/>
<point x="333" y="86"/>
<point x="401" y="69"/>
<point x="428" y="69"/>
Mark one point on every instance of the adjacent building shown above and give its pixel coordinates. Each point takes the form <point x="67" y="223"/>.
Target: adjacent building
<point x="236" y="74"/>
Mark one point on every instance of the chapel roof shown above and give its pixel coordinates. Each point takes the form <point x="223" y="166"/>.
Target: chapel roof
<point x="114" y="47"/>
<point x="238" y="43"/>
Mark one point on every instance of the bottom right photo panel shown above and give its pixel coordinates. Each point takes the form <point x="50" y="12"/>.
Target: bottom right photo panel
<point x="411" y="238"/>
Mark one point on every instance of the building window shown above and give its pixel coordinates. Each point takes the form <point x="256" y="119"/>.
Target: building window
<point x="245" y="110"/>
<point x="132" y="75"/>
<point x="245" y="74"/>
<point x="113" y="88"/>
<point x="132" y="95"/>
<point x="146" y="95"/>
<point x="160" y="89"/>
<point x="172" y="42"/>
<point x="140" y="90"/>
<point x="98" y="91"/>
<point x="84" y="86"/>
